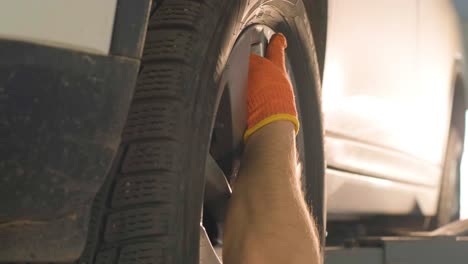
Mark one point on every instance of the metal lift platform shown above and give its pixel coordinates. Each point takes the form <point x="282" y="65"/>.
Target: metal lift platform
<point x="446" y="245"/>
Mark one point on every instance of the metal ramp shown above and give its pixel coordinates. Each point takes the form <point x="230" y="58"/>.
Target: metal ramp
<point x="403" y="250"/>
<point x="446" y="245"/>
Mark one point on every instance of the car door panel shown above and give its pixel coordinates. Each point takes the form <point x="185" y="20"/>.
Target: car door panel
<point x="439" y="52"/>
<point x="374" y="92"/>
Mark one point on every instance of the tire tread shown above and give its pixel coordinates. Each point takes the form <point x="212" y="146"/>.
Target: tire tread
<point x="132" y="219"/>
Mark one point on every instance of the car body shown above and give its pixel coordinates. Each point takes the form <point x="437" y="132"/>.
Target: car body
<point x="388" y="90"/>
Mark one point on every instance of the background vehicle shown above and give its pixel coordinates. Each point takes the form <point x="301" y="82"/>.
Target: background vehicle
<point x="393" y="98"/>
<point x="97" y="168"/>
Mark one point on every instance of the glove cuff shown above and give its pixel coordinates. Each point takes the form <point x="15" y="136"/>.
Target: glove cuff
<point x="271" y="119"/>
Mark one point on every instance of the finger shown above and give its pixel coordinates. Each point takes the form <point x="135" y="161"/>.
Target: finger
<point x="275" y="50"/>
<point x="255" y="59"/>
<point x="255" y="62"/>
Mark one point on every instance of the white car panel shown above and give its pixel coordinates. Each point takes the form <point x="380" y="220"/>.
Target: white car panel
<point x="84" y="25"/>
<point x="388" y="74"/>
<point x="388" y="85"/>
<point x="439" y="51"/>
<point x="350" y="194"/>
<point x="371" y="72"/>
<point x="364" y="159"/>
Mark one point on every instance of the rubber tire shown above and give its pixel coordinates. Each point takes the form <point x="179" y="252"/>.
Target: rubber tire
<point x="149" y="208"/>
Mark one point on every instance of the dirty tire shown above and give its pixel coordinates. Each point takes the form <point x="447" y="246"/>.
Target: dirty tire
<point x="148" y="211"/>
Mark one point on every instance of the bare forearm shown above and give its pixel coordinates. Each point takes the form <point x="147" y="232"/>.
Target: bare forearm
<point x="269" y="169"/>
<point x="268" y="197"/>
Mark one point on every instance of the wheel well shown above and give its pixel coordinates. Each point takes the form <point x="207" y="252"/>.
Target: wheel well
<point x="448" y="210"/>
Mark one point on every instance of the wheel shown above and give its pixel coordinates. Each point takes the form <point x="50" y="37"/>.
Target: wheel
<point x="185" y="126"/>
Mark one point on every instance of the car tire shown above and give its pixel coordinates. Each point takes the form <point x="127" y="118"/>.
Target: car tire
<point x="150" y="206"/>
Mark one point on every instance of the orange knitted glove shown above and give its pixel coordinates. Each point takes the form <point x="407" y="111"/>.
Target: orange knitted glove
<point x="270" y="95"/>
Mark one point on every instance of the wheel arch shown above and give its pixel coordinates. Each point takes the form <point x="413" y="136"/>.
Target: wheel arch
<point x="447" y="209"/>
